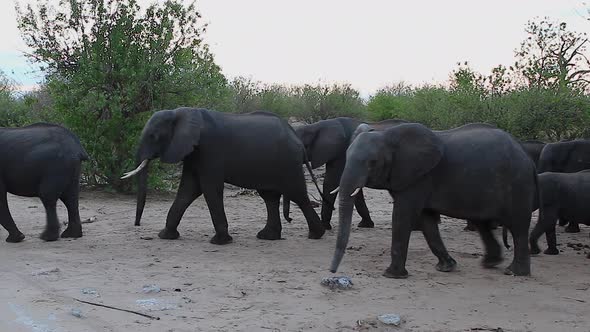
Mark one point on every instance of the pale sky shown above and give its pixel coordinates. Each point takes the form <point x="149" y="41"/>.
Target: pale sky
<point x="369" y="43"/>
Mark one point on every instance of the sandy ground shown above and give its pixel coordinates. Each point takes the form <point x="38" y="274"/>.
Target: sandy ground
<point x="256" y="285"/>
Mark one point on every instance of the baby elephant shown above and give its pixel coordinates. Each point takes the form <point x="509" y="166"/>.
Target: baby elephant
<point x="41" y="160"/>
<point x="564" y="196"/>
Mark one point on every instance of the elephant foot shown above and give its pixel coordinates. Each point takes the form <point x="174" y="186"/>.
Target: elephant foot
<point x="221" y="239"/>
<point x="168" y="234"/>
<point x="534" y="250"/>
<point x="448" y="265"/>
<point x="470" y="227"/>
<point x="518" y="270"/>
<point x="72" y="232"/>
<point x="490" y="262"/>
<point x="572" y="228"/>
<point x="327" y="225"/>
<point x="366" y="223"/>
<point x="269" y="234"/>
<point x="551" y="251"/>
<point x="401" y="273"/>
<point x="50" y="235"/>
<point x="316" y="233"/>
<point x="15" y="238"/>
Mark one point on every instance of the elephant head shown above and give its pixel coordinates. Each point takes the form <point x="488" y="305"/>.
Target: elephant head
<point x="393" y="159"/>
<point x="170" y="135"/>
<point x="324" y="141"/>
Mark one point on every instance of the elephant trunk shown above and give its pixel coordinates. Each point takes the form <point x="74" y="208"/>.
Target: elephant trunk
<point x="351" y="182"/>
<point x="141" y="194"/>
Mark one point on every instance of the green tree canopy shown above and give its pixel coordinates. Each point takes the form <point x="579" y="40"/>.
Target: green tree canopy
<point x="109" y="64"/>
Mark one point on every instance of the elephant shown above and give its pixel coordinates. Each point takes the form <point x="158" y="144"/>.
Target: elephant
<point x="533" y="149"/>
<point x="563" y="195"/>
<point x="41" y="160"/>
<point x="326" y="142"/>
<point x="566" y="157"/>
<point x="475" y="172"/>
<point x="258" y="150"/>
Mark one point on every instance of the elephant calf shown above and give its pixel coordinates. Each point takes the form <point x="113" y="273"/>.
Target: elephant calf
<point x="41" y="160"/>
<point x="475" y="172"/>
<point x="565" y="196"/>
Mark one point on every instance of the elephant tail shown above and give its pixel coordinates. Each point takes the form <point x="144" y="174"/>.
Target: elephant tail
<point x="315" y="182"/>
<point x="286" y="208"/>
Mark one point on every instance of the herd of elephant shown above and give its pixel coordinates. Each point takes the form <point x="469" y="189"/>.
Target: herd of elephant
<point x="476" y="172"/>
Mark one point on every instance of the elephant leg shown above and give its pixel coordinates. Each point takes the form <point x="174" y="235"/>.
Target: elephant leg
<point x="493" y="250"/>
<point x="403" y="217"/>
<point x="272" y="230"/>
<point x="188" y="190"/>
<point x="14" y="235"/>
<point x="572" y="227"/>
<point x="331" y="181"/>
<point x="549" y="218"/>
<point x="521" y="264"/>
<point x="71" y="198"/>
<point x="213" y="192"/>
<point x="51" y="232"/>
<point x="297" y="192"/>
<point x="363" y="211"/>
<point x="551" y="237"/>
<point x="470" y="227"/>
<point x="563" y="222"/>
<point x="429" y="226"/>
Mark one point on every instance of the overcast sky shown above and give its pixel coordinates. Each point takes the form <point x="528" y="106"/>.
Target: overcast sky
<point x="369" y="43"/>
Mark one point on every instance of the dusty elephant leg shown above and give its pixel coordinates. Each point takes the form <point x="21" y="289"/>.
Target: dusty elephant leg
<point x="521" y="264"/>
<point x="543" y="226"/>
<point x="70" y="200"/>
<point x="14" y="235"/>
<point x="51" y="232"/>
<point x="213" y="193"/>
<point x="493" y="250"/>
<point x="272" y="230"/>
<point x="429" y="226"/>
<point x="331" y="181"/>
<point x="363" y="211"/>
<point x="572" y="227"/>
<point x="188" y="190"/>
<point x="551" y="237"/>
<point x="470" y="226"/>
<point x="297" y="192"/>
<point x="402" y="220"/>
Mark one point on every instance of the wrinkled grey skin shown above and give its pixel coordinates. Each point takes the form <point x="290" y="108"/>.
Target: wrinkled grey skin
<point x="566" y="157"/>
<point x="326" y="142"/>
<point x="564" y="195"/>
<point x="257" y="151"/>
<point x="474" y="172"/>
<point x="41" y="160"/>
<point x="533" y="149"/>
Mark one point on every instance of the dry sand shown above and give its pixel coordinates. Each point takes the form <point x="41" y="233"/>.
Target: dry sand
<point x="256" y="285"/>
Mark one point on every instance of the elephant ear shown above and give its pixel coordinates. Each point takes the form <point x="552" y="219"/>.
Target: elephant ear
<point x="416" y="151"/>
<point x="329" y="142"/>
<point x="186" y="133"/>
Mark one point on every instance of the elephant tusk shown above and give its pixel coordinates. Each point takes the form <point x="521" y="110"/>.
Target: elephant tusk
<point x="135" y="171"/>
<point x="334" y="191"/>
<point x="355" y="192"/>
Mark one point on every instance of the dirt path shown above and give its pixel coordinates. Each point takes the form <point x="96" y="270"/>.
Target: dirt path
<point x="255" y="285"/>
